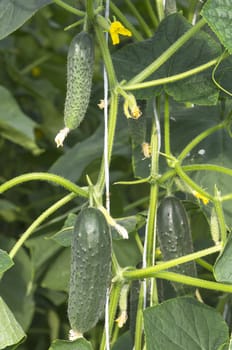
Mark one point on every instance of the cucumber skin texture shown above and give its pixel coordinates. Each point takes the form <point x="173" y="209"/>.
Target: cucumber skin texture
<point x="175" y="238"/>
<point x="80" y="63"/>
<point x="90" y="269"/>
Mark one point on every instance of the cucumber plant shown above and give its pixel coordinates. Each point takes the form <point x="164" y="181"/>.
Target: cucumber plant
<point x="168" y="75"/>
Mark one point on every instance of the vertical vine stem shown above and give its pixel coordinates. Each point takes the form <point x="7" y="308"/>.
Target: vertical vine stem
<point x="167" y="128"/>
<point x="150" y="241"/>
<point x="106" y="56"/>
<point x="139" y="320"/>
<point x="160" y="9"/>
<point x="113" y="304"/>
<point x="111" y="132"/>
<point x="220" y="215"/>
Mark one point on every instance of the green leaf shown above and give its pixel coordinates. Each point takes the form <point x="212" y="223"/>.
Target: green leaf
<point x="8" y="211"/>
<point x="222" y="267"/>
<point x="74" y="161"/>
<point x="5" y="262"/>
<point x="124" y="342"/>
<point x="130" y="223"/>
<point x="184" y="323"/>
<point x="57" y="275"/>
<point x="16" y="286"/>
<point x="201" y="48"/>
<point x="41" y="251"/>
<point x="79" y="344"/>
<point x="218" y="15"/>
<point x="64" y="236"/>
<point x="10" y="330"/>
<point x="14" y="124"/>
<point x="14" y="13"/>
<point x="127" y="251"/>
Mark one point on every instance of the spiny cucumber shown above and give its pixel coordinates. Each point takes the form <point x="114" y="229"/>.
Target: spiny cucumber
<point x="90" y="269"/>
<point x="80" y="64"/>
<point x="79" y="79"/>
<point x="175" y="238"/>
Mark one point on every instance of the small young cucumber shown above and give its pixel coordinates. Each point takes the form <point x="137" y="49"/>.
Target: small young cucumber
<point x="90" y="270"/>
<point x="79" y="79"/>
<point x="175" y="238"/>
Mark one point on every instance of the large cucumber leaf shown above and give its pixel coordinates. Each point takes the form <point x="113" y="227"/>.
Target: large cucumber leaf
<point x="218" y="15"/>
<point x="79" y="344"/>
<point x="222" y="267"/>
<point x="5" y="262"/>
<point x="184" y="323"/>
<point x="14" y="13"/>
<point x="14" y="124"/>
<point x="198" y="89"/>
<point x="10" y="330"/>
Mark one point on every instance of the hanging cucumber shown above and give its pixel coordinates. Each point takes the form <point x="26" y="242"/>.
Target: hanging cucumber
<point x="90" y="270"/>
<point x="175" y="238"/>
<point x="79" y="82"/>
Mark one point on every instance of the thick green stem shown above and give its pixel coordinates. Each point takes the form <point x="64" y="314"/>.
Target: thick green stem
<point x="149" y="271"/>
<point x="70" y="186"/>
<point x="191" y="183"/>
<point x="111" y="132"/>
<point x="172" y="78"/>
<point x="139" y="320"/>
<point x="69" y="8"/>
<point x="204" y="264"/>
<point x="167" y="146"/>
<point x="191" y="281"/>
<point x="114" y="299"/>
<point x="153" y="202"/>
<point x="220" y="216"/>
<point x="106" y="56"/>
<point x="167" y="54"/>
<point x="151" y="223"/>
<point x="39" y="221"/>
<point x="199" y="167"/>
<point x="160" y="9"/>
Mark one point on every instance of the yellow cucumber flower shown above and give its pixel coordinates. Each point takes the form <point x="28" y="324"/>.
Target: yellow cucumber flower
<point x="117" y="28"/>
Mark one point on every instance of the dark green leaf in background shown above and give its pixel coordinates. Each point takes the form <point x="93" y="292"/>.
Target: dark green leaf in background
<point x="222" y="267"/>
<point x="5" y="262"/>
<point x="14" y="124"/>
<point x="64" y="236"/>
<point x="74" y="161"/>
<point x="8" y="211"/>
<point x="13" y="13"/>
<point x="184" y="323"/>
<point x="218" y="15"/>
<point x="16" y="286"/>
<point x="58" y="272"/>
<point x="198" y="89"/>
<point x="42" y="250"/>
<point x="79" y="344"/>
<point x="10" y="330"/>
